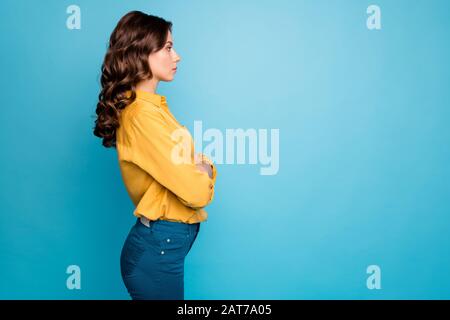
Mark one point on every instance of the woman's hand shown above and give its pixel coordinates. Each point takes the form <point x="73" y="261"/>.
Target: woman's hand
<point x="201" y="165"/>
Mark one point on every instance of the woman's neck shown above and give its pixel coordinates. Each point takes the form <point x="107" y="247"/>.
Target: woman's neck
<point x="148" y="85"/>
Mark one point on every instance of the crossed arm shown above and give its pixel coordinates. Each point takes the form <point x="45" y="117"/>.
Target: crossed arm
<point x="153" y="144"/>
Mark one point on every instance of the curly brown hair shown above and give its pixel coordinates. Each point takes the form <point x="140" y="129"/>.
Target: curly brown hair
<point x="135" y="37"/>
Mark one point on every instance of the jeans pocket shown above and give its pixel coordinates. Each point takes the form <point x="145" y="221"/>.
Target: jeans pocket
<point x="172" y="246"/>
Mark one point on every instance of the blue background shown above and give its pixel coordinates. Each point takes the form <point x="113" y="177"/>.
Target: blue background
<point x="364" y="148"/>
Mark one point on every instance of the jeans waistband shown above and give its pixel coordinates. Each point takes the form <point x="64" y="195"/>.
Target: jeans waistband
<point x="169" y="225"/>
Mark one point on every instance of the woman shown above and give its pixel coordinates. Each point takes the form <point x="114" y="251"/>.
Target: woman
<point x="167" y="181"/>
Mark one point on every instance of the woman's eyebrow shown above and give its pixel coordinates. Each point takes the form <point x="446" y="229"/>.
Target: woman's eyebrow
<point x="169" y="42"/>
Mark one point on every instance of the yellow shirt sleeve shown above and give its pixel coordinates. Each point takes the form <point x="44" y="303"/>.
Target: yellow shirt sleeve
<point x="152" y="147"/>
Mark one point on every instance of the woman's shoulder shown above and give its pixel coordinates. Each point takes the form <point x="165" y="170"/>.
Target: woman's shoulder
<point x="140" y="108"/>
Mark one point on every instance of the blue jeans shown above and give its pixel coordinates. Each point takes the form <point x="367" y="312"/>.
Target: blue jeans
<point x="152" y="259"/>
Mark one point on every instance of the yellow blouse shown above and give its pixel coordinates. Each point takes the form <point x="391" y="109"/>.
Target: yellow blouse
<point x="159" y="187"/>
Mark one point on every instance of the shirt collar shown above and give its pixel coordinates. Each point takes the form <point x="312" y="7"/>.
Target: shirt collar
<point x="156" y="99"/>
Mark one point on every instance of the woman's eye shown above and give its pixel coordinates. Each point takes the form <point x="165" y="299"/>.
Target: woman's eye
<point x="168" y="48"/>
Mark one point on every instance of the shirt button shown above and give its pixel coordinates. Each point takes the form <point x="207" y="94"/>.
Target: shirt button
<point x="162" y="252"/>
<point x="168" y="240"/>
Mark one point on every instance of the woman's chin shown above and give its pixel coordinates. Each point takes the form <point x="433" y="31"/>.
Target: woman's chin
<point x="168" y="79"/>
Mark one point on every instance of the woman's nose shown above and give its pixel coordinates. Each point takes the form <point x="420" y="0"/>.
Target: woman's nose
<point x="177" y="57"/>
